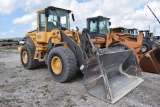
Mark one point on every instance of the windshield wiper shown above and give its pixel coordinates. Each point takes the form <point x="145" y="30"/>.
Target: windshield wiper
<point x="60" y="26"/>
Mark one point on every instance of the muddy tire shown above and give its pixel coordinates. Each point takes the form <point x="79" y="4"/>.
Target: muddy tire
<point x="62" y="64"/>
<point x="145" y="48"/>
<point x="27" y="58"/>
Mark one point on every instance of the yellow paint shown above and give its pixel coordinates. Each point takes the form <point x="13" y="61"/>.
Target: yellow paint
<point x="56" y="65"/>
<point x="24" y="57"/>
<point x="19" y="49"/>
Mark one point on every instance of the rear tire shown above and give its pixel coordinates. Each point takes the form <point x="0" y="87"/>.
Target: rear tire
<point x="145" y="48"/>
<point x="67" y="64"/>
<point x="27" y="58"/>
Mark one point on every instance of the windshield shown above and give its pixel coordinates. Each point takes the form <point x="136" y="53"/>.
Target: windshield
<point x="133" y="32"/>
<point x="58" y="18"/>
<point x="126" y="31"/>
<point x="146" y="33"/>
<point x="136" y="31"/>
<point x="103" y="26"/>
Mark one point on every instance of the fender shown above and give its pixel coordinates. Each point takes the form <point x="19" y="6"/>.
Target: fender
<point x="30" y="42"/>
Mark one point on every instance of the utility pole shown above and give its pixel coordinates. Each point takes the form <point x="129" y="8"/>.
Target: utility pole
<point x="153" y="14"/>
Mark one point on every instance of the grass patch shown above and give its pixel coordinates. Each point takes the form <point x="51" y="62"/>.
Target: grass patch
<point x="66" y="94"/>
<point x="45" y="89"/>
<point x="18" y="66"/>
<point x="13" y="76"/>
<point x="48" y="79"/>
<point x="29" y="80"/>
<point x="20" y="70"/>
<point x="70" y="103"/>
<point x="83" y="97"/>
<point x="4" y="101"/>
<point x="10" y="90"/>
<point x="2" y="86"/>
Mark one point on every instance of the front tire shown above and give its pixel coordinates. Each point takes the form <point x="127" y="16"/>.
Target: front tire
<point x="27" y="58"/>
<point x="62" y="64"/>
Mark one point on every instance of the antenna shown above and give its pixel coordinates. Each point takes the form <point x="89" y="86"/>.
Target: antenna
<point x="153" y="14"/>
<point x="154" y="31"/>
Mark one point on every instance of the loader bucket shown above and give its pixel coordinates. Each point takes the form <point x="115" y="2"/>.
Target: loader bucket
<point x="150" y="62"/>
<point x="110" y="76"/>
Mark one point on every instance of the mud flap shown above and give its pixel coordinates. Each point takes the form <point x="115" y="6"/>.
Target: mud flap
<point x="111" y="76"/>
<point x="150" y="62"/>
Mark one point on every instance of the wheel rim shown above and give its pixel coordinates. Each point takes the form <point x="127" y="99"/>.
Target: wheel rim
<point x="56" y="65"/>
<point x="144" y="49"/>
<point x="25" y="57"/>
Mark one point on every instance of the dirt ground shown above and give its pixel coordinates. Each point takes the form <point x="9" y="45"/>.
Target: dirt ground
<point x="27" y="88"/>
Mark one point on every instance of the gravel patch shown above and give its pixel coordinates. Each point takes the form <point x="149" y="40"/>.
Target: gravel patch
<point x="27" y="88"/>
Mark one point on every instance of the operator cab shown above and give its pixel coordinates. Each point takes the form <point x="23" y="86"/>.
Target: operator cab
<point x="98" y="26"/>
<point x="53" y="18"/>
<point x="147" y="38"/>
<point x="49" y="21"/>
<point x="151" y="34"/>
<point x="133" y="32"/>
<point x="146" y="33"/>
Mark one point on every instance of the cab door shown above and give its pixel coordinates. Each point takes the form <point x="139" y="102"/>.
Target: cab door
<point x="42" y="28"/>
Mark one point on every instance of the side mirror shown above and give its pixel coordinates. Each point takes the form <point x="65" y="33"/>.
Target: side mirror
<point x="46" y="12"/>
<point x="109" y="23"/>
<point x="77" y="28"/>
<point x="73" y="17"/>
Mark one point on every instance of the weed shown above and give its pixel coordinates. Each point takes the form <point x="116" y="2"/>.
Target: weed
<point x="83" y="97"/>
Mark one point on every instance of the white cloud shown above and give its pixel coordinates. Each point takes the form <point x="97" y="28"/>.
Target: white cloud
<point x="11" y="31"/>
<point x="34" y="5"/>
<point x="8" y="6"/>
<point x="3" y="33"/>
<point x="143" y="18"/>
<point x="127" y="13"/>
<point x="28" y="18"/>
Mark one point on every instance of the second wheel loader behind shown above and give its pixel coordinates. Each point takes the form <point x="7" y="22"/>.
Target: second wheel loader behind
<point x="104" y="37"/>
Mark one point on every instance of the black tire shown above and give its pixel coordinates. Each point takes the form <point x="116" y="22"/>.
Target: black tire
<point x="69" y="64"/>
<point x="31" y="62"/>
<point x="145" y="47"/>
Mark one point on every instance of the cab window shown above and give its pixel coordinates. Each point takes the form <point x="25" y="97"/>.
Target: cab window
<point x="42" y="21"/>
<point x="93" y="26"/>
<point x="103" y="26"/>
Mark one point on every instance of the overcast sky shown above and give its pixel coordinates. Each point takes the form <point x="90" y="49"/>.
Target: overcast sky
<point x="19" y="16"/>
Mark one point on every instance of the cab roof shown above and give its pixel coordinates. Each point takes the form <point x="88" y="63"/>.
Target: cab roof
<point x="118" y="28"/>
<point x="99" y="17"/>
<point x="143" y="30"/>
<point x="132" y="29"/>
<point x="52" y="7"/>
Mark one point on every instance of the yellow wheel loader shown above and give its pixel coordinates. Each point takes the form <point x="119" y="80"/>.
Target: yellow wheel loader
<point x="109" y="74"/>
<point x="104" y="37"/>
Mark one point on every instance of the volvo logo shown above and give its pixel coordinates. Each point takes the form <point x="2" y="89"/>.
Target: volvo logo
<point x="38" y="36"/>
